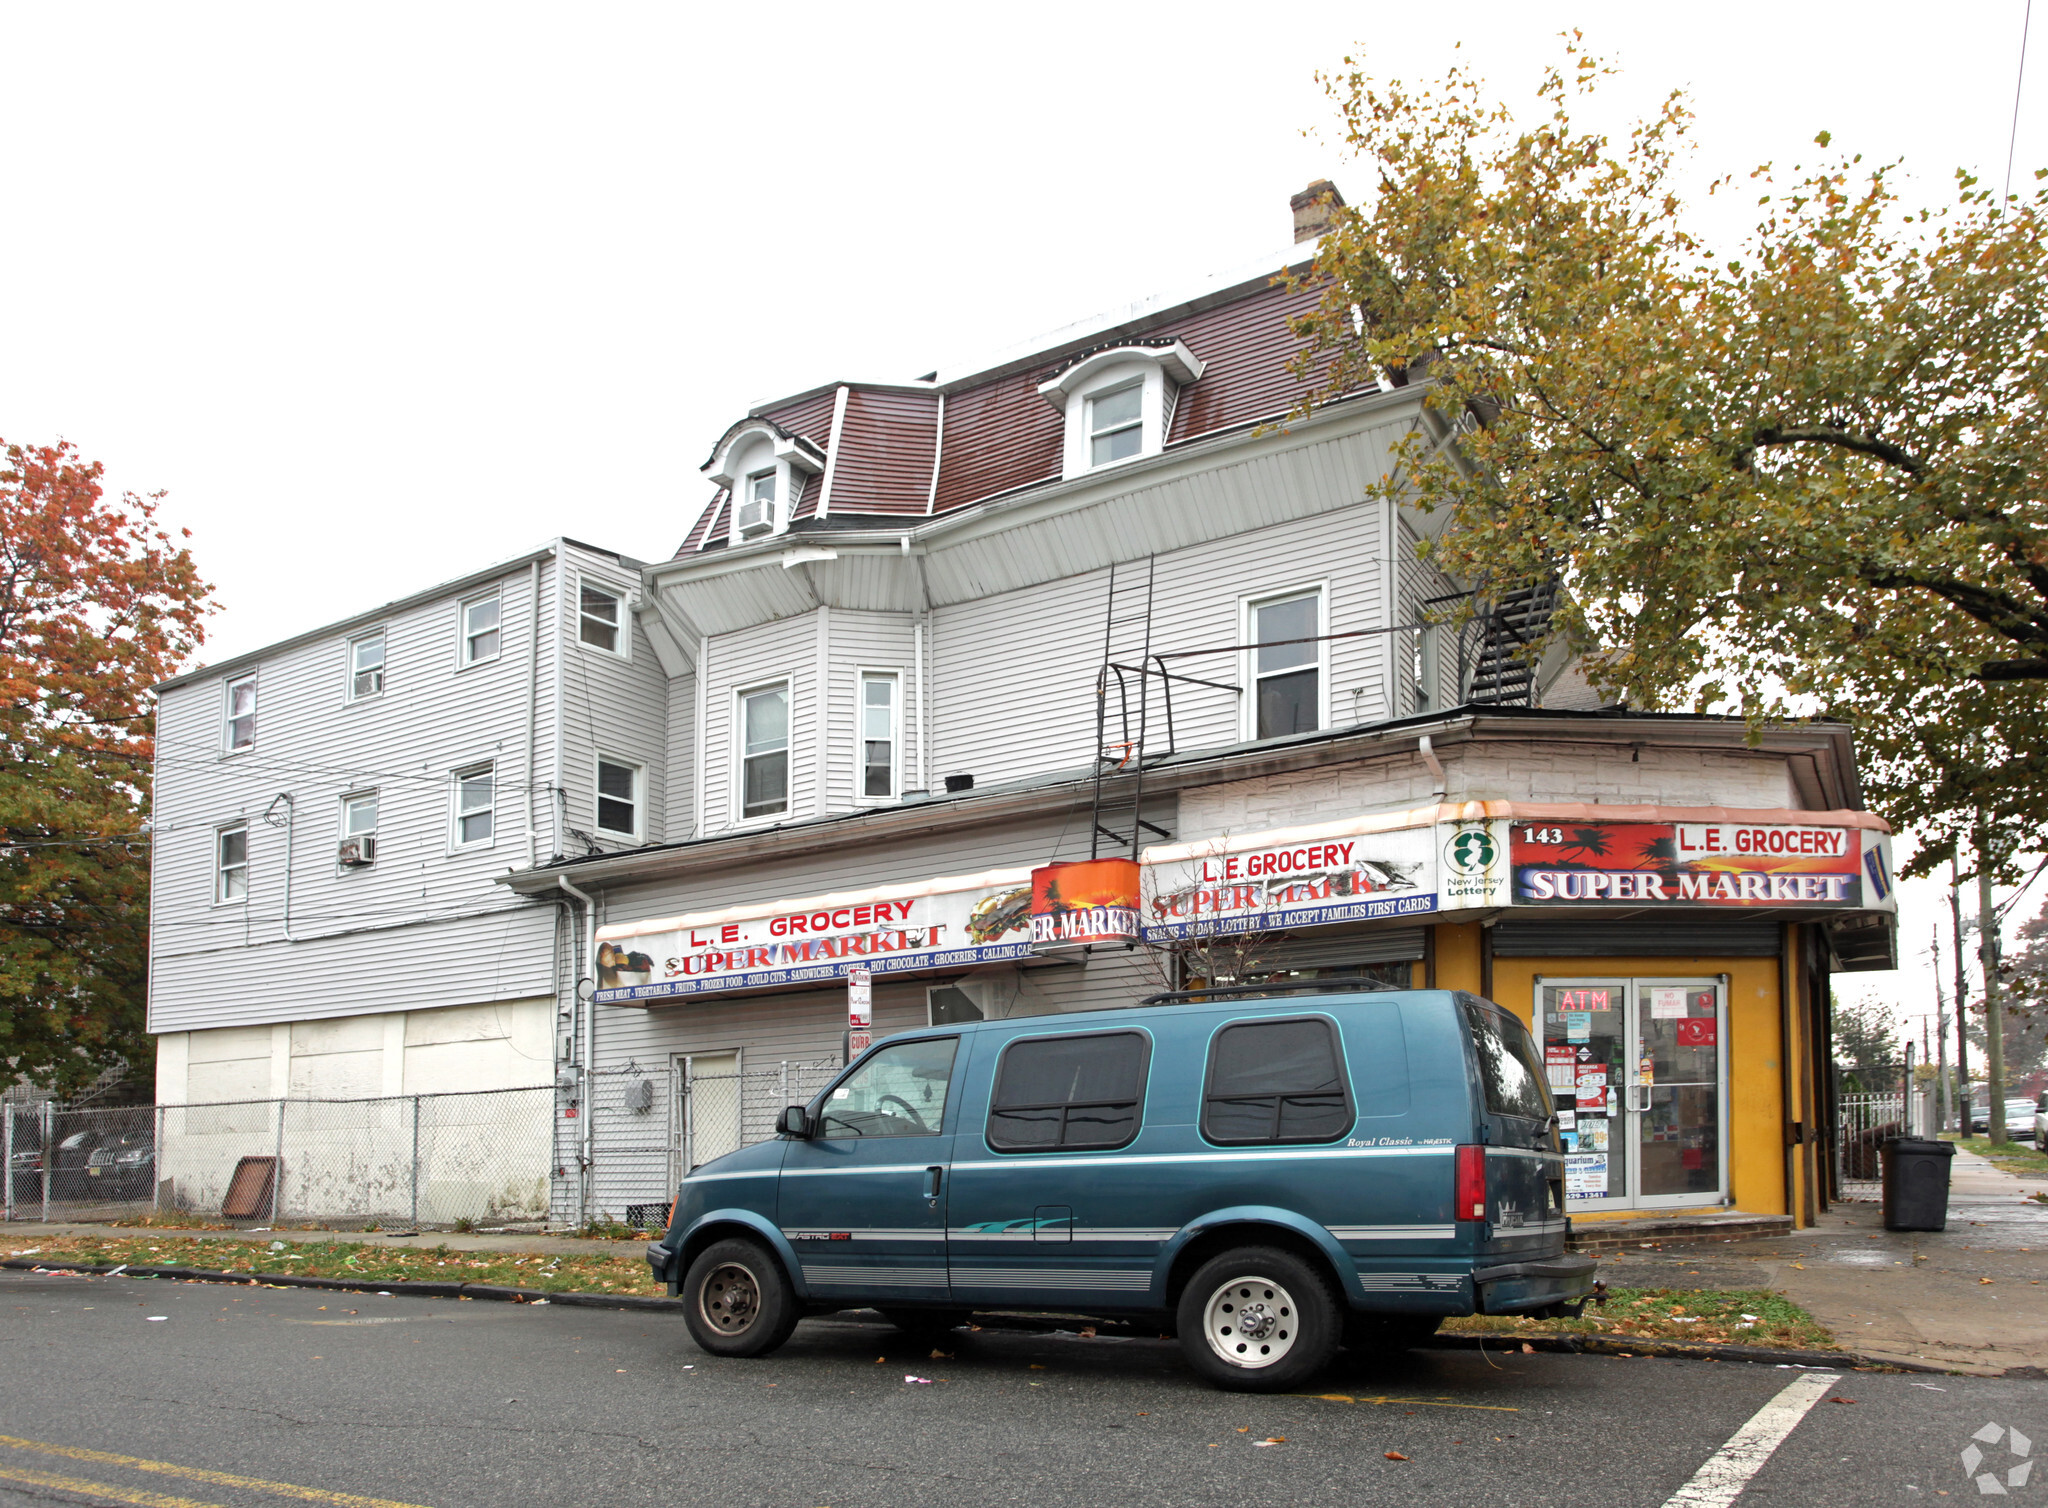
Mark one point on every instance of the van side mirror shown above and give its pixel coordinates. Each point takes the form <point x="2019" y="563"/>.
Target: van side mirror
<point x="793" y="1122"/>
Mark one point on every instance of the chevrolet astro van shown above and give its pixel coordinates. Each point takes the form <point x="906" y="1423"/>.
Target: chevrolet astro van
<point x="1270" y="1174"/>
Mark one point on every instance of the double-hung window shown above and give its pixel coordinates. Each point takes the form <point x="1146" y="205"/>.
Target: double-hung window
<point x="482" y="636"/>
<point x="1287" y="664"/>
<point x="366" y="666"/>
<point x="231" y="863"/>
<point x="598" y="617"/>
<point x="764" y="751"/>
<point x="359" y="815"/>
<point x="1116" y="424"/>
<point x="240" y="731"/>
<point x="879" y="721"/>
<point x="618" y="797"/>
<point x="475" y="804"/>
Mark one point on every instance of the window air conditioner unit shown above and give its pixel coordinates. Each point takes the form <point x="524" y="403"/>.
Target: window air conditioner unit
<point x="357" y="852"/>
<point x="756" y="518"/>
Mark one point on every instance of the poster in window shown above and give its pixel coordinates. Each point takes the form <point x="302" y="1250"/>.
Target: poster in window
<point x="1585" y="1175"/>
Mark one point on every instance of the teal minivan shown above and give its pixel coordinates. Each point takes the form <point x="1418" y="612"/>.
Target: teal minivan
<point x="1270" y="1173"/>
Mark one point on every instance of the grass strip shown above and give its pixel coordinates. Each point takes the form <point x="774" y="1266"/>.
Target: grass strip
<point x="2018" y="1157"/>
<point x="1732" y="1316"/>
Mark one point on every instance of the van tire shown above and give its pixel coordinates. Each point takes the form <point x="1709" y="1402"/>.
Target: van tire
<point x="739" y="1303"/>
<point x="1299" y="1320"/>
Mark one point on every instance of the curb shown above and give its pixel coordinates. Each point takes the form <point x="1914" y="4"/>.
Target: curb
<point x="397" y="1288"/>
<point x="1575" y="1345"/>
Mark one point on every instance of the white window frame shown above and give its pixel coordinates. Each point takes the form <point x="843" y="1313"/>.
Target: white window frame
<point x="456" y="776"/>
<point x="862" y="675"/>
<point x="1248" y="662"/>
<point x="739" y="753"/>
<point x="639" y="773"/>
<point x="220" y="870"/>
<point x="624" y="627"/>
<point x="463" y="659"/>
<point x="354" y="799"/>
<point x="227" y="713"/>
<point x="1162" y="370"/>
<point x="349" y="693"/>
<point x="1095" y="431"/>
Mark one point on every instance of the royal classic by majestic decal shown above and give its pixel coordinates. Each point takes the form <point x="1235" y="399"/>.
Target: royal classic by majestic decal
<point x="1690" y="863"/>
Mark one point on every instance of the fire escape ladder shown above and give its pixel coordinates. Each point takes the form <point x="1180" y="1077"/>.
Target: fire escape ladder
<point x="1120" y="733"/>
<point x="1503" y="672"/>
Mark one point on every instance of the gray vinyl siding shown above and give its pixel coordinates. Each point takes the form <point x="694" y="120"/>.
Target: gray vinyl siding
<point x="612" y="704"/>
<point x="1014" y="676"/>
<point x="679" y="812"/>
<point x="860" y="642"/>
<point x="425" y="926"/>
<point x="783" y="650"/>
<point x="1420" y="582"/>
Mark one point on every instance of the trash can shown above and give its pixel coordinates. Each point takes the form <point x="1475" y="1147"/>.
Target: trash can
<point x="1916" y="1183"/>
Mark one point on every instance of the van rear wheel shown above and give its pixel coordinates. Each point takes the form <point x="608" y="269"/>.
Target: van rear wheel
<point x="1259" y="1320"/>
<point x="740" y="1304"/>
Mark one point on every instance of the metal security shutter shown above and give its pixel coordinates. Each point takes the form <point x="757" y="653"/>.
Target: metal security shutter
<point x="1402" y="945"/>
<point x="1680" y="935"/>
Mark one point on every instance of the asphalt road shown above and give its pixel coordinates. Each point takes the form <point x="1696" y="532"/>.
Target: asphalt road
<point x="245" y="1396"/>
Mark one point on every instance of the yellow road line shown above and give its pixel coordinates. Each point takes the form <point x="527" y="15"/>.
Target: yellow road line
<point x="100" y="1490"/>
<point x="1427" y="1403"/>
<point x="200" y="1474"/>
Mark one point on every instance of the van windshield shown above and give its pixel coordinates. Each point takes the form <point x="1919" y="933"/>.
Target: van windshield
<point x="1507" y="1065"/>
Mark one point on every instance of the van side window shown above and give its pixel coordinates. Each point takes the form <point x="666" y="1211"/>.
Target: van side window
<point x="1507" y="1065"/>
<point x="899" y="1091"/>
<point x="1063" y="1092"/>
<point x="1275" y="1081"/>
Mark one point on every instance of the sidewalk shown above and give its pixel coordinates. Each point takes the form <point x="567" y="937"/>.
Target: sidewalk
<point x="24" y="1233"/>
<point x="1973" y="1297"/>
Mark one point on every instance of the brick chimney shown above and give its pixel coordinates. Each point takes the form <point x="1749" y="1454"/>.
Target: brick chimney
<point x="1313" y="208"/>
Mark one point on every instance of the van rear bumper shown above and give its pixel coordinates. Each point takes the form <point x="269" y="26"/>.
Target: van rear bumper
<point x="1514" y="1287"/>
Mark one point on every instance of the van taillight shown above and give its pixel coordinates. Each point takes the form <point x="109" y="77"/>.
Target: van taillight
<point x="1471" y="1195"/>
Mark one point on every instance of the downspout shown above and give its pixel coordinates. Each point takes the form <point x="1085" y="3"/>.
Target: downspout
<point x="1436" y="766"/>
<point x="291" y="812"/>
<point x="588" y="1010"/>
<point x="557" y="816"/>
<point x="533" y="721"/>
<point x="1788" y="941"/>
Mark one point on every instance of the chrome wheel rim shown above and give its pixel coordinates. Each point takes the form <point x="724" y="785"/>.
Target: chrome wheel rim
<point x="1251" y="1322"/>
<point x="729" y="1298"/>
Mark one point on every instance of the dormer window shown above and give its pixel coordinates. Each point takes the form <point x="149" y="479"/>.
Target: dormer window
<point x="1116" y="424"/>
<point x="762" y="467"/>
<point x="1119" y="402"/>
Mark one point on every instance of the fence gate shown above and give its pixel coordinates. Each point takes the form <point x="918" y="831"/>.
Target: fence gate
<point x="1862" y="1123"/>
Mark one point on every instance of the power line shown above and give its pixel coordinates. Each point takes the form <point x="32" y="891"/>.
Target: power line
<point x="2012" y="141"/>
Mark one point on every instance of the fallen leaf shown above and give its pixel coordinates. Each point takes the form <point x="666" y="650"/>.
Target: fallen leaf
<point x="941" y="1355"/>
<point x="1395" y="1455"/>
<point x="1983" y="1280"/>
<point x="1845" y="1400"/>
<point x="1527" y="1349"/>
<point x="1087" y="1332"/>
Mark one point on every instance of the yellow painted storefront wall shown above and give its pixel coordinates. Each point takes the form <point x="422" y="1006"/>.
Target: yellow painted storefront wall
<point x="1756" y="1119"/>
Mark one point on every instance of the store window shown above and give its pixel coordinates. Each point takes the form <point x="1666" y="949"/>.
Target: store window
<point x="1064" y="1092"/>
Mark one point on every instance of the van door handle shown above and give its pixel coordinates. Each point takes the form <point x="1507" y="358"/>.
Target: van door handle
<point x="931" y="1182"/>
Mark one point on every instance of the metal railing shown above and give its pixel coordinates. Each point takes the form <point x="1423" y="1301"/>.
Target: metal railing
<point x="1862" y="1124"/>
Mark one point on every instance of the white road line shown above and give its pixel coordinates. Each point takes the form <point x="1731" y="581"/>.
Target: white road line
<point x="1728" y="1470"/>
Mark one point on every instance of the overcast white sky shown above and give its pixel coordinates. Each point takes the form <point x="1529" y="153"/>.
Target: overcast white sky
<point x="379" y="293"/>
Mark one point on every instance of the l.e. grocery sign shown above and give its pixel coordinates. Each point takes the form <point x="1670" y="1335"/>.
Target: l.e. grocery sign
<point x="1687" y="863"/>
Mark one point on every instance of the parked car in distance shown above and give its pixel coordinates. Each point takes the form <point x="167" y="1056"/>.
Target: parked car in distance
<point x="122" y="1166"/>
<point x="1270" y="1174"/>
<point x="2040" y="1123"/>
<point x="2020" y="1116"/>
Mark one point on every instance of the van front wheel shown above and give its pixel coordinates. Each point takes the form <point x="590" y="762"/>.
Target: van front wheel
<point x="739" y="1302"/>
<point x="1259" y="1320"/>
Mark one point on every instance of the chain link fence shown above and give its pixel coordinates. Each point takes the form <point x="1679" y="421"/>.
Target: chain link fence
<point x="608" y="1149"/>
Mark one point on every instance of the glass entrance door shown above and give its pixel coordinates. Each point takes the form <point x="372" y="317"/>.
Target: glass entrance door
<point x="1638" y="1072"/>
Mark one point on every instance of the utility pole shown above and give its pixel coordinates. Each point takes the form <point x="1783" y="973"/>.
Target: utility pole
<point x="1994" y="1014"/>
<point x="1955" y="916"/>
<point x="1941" y="1030"/>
